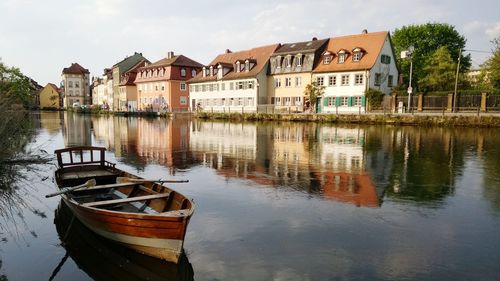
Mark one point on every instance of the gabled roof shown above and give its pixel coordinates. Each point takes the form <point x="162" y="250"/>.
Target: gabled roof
<point x="53" y="86"/>
<point x="178" y="60"/>
<point x="300" y="47"/>
<point x="261" y="56"/>
<point x="75" y="68"/>
<point x="129" y="62"/>
<point x="370" y="43"/>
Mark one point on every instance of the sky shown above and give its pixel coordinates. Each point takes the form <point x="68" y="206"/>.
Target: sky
<point x="43" y="37"/>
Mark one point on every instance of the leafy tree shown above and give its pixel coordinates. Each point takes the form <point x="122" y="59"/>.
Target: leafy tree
<point x="313" y="91"/>
<point x="375" y="97"/>
<point x="14" y="86"/>
<point x="491" y="68"/>
<point x="439" y="72"/>
<point x="426" y="39"/>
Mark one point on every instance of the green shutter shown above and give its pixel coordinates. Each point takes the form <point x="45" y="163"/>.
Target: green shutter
<point x="325" y="101"/>
<point x="337" y="101"/>
<point x="363" y="101"/>
<point x="349" y="101"/>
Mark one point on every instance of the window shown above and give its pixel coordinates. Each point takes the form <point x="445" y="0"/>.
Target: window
<point x="298" y="59"/>
<point x="250" y="85"/>
<point x="156" y="87"/>
<point x="385" y="59"/>
<point x="231" y="86"/>
<point x="162" y="87"/>
<point x="389" y="81"/>
<point x="203" y="88"/>
<point x="70" y="92"/>
<point x="288" y="82"/>
<point x="345" y="80"/>
<point x="320" y="80"/>
<point x="344" y="101"/>
<point x="277" y="82"/>
<point x="70" y="84"/>
<point x="183" y="100"/>
<point x="237" y="66"/>
<point x="77" y="84"/>
<point x="332" y="80"/>
<point x="327" y="59"/>
<point x="342" y="57"/>
<point x="278" y="62"/>
<point x="247" y="65"/>
<point x="331" y="101"/>
<point x="223" y="86"/>
<point x="193" y="73"/>
<point x="357" y="101"/>
<point x="358" y="79"/>
<point x="298" y="81"/>
<point x="183" y="72"/>
<point x="239" y="85"/>
<point x="378" y="77"/>
<point x="288" y="61"/>
<point x="357" y="56"/>
<point x="161" y="72"/>
<point x="183" y="86"/>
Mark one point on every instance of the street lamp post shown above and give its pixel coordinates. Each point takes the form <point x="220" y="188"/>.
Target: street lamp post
<point x="406" y="54"/>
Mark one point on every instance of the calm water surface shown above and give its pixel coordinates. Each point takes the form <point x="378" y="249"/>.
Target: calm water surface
<point x="275" y="201"/>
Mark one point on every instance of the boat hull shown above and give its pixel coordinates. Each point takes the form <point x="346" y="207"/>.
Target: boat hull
<point x="157" y="237"/>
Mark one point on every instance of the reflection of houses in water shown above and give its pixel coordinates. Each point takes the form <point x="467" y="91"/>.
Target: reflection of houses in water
<point x="50" y="121"/>
<point x="324" y="160"/>
<point x="76" y="129"/>
<point x="104" y="131"/>
<point x="164" y="141"/>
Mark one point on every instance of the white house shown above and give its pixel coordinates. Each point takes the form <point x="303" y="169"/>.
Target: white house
<point x="349" y="66"/>
<point x="232" y="81"/>
<point x="75" y="80"/>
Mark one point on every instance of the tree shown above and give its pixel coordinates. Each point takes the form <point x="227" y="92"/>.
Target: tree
<point x="313" y="91"/>
<point x="426" y="39"/>
<point x="491" y="68"/>
<point x="439" y="72"/>
<point x="14" y="86"/>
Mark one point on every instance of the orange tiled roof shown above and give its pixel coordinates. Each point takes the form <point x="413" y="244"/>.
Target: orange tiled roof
<point x="53" y="86"/>
<point x="75" y="68"/>
<point x="370" y="43"/>
<point x="260" y="54"/>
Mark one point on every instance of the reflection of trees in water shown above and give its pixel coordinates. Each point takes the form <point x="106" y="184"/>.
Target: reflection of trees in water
<point x="489" y="145"/>
<point x="17" y="167"/>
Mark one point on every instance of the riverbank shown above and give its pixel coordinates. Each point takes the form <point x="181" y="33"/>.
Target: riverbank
<point x="420" y="119"/>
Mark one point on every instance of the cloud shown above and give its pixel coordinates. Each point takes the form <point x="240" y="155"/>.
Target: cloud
<point x="493" y="31"/>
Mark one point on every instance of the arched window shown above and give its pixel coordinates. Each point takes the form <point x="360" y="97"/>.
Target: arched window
<point x="183" y="72"/>
<point x="193" y="72"/>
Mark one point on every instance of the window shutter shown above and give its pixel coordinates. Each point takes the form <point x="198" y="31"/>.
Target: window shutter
<point x="349" y="101"/>
<point x="325" y="101"/>
<point x="337" y="101"/>
<point x="363" y="101"/>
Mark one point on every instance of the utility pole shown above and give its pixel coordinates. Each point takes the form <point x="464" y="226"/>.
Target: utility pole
<point x="456" y="83"/>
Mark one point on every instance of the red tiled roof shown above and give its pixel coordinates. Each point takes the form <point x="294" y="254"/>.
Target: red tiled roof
<point x="179" y="60"/>
<point x="370" y="43"/>
<point x="260" y="54"/>
<point x="75" y="68"/>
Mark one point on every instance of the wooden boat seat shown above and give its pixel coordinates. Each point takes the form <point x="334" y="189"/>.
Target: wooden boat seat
<point x="126" y="200"/>
<point x="108" y="186"/>
<point x="86" y="174"/>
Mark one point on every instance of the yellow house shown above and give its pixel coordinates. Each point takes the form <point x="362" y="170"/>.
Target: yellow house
<point x="49" y="97"/>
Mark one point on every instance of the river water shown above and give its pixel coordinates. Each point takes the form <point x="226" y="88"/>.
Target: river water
<point x="274" y="201"/>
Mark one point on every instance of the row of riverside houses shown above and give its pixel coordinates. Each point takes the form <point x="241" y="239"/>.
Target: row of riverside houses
<point x="273" y="76"/>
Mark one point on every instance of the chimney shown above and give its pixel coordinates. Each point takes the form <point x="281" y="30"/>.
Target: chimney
<point x="228" y="51"/>
<point x="365" y="31"/>
<point x="170" y="55"/>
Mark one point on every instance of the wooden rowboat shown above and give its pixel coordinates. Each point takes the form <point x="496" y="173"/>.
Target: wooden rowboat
<point x="141" y="214"/>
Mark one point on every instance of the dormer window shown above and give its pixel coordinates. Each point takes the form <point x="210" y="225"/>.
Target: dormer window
<point x="183" y="72"/>
<point x="357" y="53"/>
<point x="327" y="58"/>
<point x="238" y="66"/>
<point x="193" y="72"/>
<point x="204" y="71"/>
<point x="161" y="72"/>
<point x="298" y="60"/>
<point x="288" y="61"/>
<point x="247" y="65"/>
<point x="211" y="70"/>
<point x="219" y="72"/>
<point x="278" y="62"/>
<point x="342" y="56"/>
